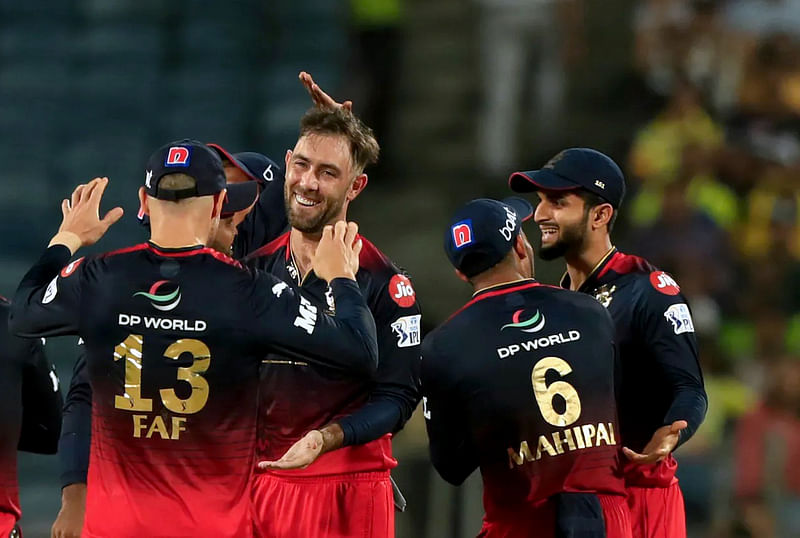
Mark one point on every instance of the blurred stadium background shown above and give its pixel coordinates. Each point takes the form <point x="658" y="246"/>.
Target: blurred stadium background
<point x="698" y="100"/>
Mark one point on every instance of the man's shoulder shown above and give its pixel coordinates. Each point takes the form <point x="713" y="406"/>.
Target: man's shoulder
<point x="275" y="247"/>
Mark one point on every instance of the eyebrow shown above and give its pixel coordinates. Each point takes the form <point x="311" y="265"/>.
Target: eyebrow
<point x="322" y="164"/>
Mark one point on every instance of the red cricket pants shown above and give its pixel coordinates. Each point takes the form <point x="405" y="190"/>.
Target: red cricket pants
<point x="540" y="521"/>
<point x="358" y="505"/>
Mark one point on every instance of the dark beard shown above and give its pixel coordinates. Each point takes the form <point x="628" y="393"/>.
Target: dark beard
<point x="572" y="240"/>
<point x="311" y="225"/>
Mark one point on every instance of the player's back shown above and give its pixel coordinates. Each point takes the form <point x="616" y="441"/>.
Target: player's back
<point x="531" y="368"/>
<point x="173" y="369"/>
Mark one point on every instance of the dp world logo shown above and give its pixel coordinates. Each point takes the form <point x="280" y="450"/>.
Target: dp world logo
<point x="162" y="296"/>
<point x="531" y="325"/>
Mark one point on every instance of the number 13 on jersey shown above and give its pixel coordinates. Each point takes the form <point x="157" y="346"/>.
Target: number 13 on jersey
<point x="131" y="399"/>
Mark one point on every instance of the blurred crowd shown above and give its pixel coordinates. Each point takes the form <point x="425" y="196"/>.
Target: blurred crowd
<point x="715" y="199"/>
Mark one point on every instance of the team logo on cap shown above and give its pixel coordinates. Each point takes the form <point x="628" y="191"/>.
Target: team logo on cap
<point x="531" y="325"/>
<point x="462" y="233"/>
<point x="178" y="156"/>
<point x="160" y="298"/>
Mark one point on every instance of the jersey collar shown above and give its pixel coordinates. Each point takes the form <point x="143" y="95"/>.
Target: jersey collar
<point x="596" y="276"/>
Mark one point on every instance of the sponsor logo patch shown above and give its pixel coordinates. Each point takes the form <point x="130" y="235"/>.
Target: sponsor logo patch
<point x="70" y="268"/>
<point x="507" y="231"/>
<point x="162" y="296"/>
<point x="278" y="288"/>
<point x="664" y="283"/>
<point x="408" y="331"/>
<point x="462" y="233"/>
<point x="178" y="156"/>
<point x="401" y="291"/>
<point x="148" y="179"/>
<point x="680" y="317"/>
<point x="530" y="325"/>
<point x="307" y="317"/>
<point x="51" y="291"/>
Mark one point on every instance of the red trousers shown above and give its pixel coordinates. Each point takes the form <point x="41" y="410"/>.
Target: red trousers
<point x="358" y="505"/>
<point x="540" y="521"/>
<point x="657" y="512"/>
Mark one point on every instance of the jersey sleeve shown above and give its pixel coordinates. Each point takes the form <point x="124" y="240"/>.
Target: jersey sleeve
<point x="397" y="383"/>
<point x="452" y="453"/>
<point x="47" y="301"/>
<point x="76" y="430"/>
<point x="668" y="331"/>
<point x="41" y="401"/>
<point x="292" y="325"/>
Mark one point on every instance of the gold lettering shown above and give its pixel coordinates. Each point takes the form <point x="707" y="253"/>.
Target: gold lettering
<point x="602" y="433"/>
<point x="588" y="433"/>
<point x="570" y="442"/>
<point x="579" y="437"/>
<point x="159" y="426"/>
<point x="611" y="433"/>
<point x="178" y="426"/>
<point x="192" y="374"/>
<point x="557" y="441"/>
<point x="544" y="444"/>
<point x="138" y="426"/>
<point x="521" y="457"/>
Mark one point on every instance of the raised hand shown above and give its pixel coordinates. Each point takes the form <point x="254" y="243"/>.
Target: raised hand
<point x="81" y="224"/>
<point x="337" y="252"/>
<point x="319" y="97"/>
<point x="664" y="441"/>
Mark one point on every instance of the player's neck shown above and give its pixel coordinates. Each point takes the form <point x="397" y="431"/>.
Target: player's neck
<point x="581" y="265"/>
<point x="177" y="233"/>
<point x="496" y="277"/>
<point x="303" y="246"/>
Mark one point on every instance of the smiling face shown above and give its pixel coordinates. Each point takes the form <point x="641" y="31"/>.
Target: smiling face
<point x="320" y="181"/>
<point x="563" y="220"/>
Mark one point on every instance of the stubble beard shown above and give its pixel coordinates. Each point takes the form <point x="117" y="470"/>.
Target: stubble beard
<point x="311" y="224"/>
<point x="572" y="240"/>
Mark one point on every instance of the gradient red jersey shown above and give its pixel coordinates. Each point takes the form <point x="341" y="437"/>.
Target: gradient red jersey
<point x="297" y="396"/>
<point x="173" y="341"/>
<point x="520" y="383"/>
<point x="30" y="420"/>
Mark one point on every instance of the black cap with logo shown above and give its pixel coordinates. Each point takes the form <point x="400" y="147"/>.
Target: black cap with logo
<point x="482" y="232"/>
<point x="575" y="168"/>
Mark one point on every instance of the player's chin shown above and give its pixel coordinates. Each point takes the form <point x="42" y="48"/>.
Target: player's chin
<point x="552" y="250"/>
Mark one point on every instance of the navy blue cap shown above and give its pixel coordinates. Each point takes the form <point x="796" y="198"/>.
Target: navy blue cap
<point x="575" y="168"/>
<point x="254" y="165"/>
<point x="482" y="232"/>
<point x="188" y="157"/>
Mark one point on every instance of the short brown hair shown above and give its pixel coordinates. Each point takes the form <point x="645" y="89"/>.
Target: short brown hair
<point x="364" y="149"/>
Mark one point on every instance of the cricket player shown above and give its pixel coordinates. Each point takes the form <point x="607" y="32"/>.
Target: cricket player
<point x="31" y="418"/>
<point x="253" y="207"/>
<point x="346" y="492"/>
<point x="174" y="335"/>
<point x="662" y="398"/>
<point x="519" y="383"/>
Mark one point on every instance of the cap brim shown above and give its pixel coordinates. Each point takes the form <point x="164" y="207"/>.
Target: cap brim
<point x="236" y="162"/>
<point x="240" y="196"/>
<point x="521" y="207"/>
<point x="536" y="180"/>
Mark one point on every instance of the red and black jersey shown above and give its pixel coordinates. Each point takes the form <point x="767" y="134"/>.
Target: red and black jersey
<point x="520" y="382"/>
<point x="297" y="396"/>
<point x="661" y="379"/>
<point x="30" y="420"/>
<point x="173" y="342"/>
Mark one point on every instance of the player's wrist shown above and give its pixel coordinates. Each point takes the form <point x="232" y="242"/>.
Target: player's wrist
<point x="67" y="239"/>
<point x="332" y="437"/>
<point x="73" y="494"/>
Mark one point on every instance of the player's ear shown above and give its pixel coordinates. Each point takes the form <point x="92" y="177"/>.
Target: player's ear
<point x="601" y="215"/>
<point x="461" y="275"/>
<point x="143" y="209"/>
<point x="287" y="158"/>
<point x="359" y="183"/>
<point x="519" y="246"/>
<point x="219" y="201"/>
